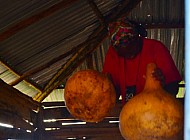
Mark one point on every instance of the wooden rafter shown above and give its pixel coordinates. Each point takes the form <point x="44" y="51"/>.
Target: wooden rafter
<point x="72" y="64"/>
<point x="27" y="74"/>
<point x="97" y="12"/>
<point x="42" y="15"/>
<point x="51" y="62"/>
<point x="103" y="24"/>
<point x="123" y="9"/>
<point x="33" y="19"/>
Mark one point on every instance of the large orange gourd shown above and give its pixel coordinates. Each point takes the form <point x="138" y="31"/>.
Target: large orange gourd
<point x="153" y="114"/>
<point x="89" y="95"/>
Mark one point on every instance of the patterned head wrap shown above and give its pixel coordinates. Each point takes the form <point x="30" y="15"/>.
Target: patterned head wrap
<point x="122" y="32"/>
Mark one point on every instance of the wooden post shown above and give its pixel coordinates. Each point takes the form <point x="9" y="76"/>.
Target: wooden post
<point x="39" y="133"/>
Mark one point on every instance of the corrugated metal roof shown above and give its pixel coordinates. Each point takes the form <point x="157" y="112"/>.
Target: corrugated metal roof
<point x="47" y="39"/>
<point x="159" y="11"/>
<point x="56" y="34"/>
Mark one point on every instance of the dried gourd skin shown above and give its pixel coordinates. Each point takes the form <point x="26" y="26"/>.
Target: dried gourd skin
<point x="153" y="114"/>
<point x="89" y="95"/>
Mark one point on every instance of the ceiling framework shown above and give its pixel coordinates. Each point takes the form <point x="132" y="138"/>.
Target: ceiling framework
<point x="16" y="108"/>
<point x="70" y="66"/>
<point x="20" y="107"/>
<point x="27" y="22"/>
<point x="78" y="53"/>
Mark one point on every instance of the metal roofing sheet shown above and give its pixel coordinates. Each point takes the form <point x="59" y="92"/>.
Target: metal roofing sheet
<point x="54" y="35"/>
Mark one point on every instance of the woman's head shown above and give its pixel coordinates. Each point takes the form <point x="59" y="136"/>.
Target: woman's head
<point x="125" y="38"/>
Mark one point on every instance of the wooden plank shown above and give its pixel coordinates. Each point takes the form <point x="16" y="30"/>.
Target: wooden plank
<point x="62" y="112"/>
<point x="81" y="132"/>
<point x="7" y="90"/>
<point x="103" y="124"/>
<point x="12" y="100"/>
<point x="57" y="113"/>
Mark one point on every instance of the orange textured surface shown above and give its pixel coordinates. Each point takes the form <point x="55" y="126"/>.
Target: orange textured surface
<point x="153" y="114"/>
<point x="89" y="95"/>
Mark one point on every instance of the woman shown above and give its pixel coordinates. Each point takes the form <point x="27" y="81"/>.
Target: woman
<point x="128" y="56"/>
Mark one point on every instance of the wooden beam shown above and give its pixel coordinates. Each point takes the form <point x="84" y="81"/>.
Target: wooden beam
<point x="73" y="63"/>
<point x="39" y="125"/>
<point x="33" y="19"/>
<point x="61" y="112"/>
<point x="163" y="25"/>
<point x="123" y="9"/>
<point x="97" y="12"/>
<point x="33" y="71"/>
<point x="13" y="100"/>
<point x="81" y="132"/>
<point x="58" y="111"/>
<point x="9" y="67"/>
<point x="58" y="124"/>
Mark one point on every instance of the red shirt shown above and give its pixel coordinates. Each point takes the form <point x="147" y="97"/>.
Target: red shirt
<point x="129" y="72"/>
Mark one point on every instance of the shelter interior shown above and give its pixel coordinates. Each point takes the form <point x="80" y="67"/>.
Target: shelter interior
<point x="42" y="43"/>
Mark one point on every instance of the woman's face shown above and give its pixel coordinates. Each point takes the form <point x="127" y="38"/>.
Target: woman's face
<point x="131" y="50"/>
<point x="125" y="40"/>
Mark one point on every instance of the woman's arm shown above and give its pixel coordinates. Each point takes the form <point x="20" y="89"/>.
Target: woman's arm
<point x="172" y="88"/>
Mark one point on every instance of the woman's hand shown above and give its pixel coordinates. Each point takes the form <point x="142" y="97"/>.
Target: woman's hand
<point x="171" y="87"/>
<point x="158" y="75"/>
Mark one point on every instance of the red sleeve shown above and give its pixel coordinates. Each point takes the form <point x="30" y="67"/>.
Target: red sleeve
<point x="165" y="62"/>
